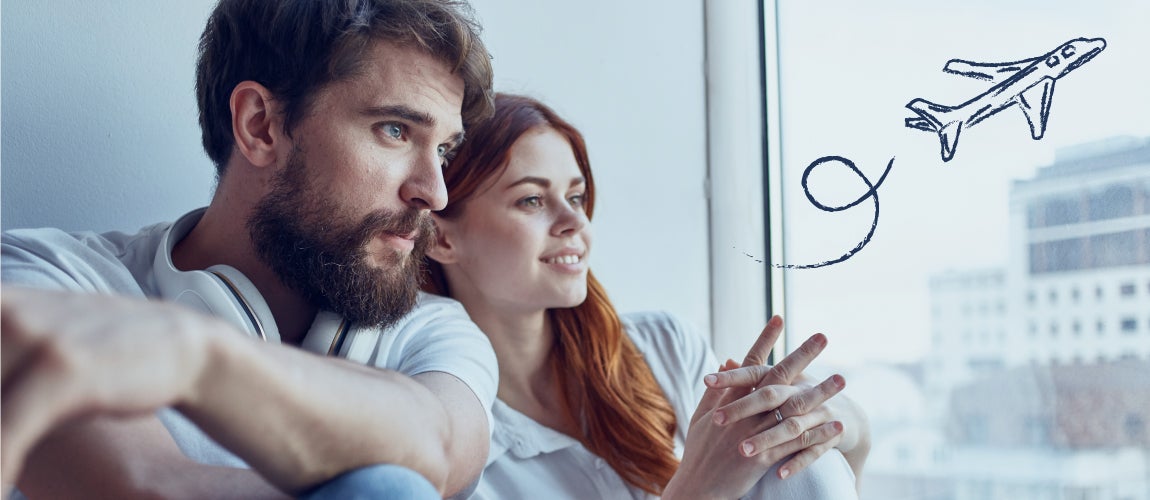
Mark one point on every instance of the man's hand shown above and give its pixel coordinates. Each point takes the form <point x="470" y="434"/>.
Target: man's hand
<point x="127" y="357"/>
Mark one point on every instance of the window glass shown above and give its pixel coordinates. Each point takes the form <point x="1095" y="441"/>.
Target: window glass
<point x="974" y="244"/>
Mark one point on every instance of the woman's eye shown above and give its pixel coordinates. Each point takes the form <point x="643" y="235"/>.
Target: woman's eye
<point x="576" y="200"/>
<point x="531" y="202"/>
<point x="442" y="151"/>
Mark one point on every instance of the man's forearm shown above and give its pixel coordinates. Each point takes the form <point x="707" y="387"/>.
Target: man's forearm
<point x="300" y="419"/>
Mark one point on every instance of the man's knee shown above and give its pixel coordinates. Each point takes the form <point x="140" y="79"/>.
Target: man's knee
<point x="375" y="482"/>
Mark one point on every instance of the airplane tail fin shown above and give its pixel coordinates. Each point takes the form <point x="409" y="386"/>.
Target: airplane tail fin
<point x="940" y="119"/>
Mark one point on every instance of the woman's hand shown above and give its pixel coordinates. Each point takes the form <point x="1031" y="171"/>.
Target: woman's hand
<point x="714" y="464"/>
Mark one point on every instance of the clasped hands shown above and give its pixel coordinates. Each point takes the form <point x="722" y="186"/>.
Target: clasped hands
<point x="752" y="416"/>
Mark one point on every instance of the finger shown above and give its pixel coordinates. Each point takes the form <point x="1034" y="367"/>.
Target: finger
<point x="808" y="456"/>
<point x="34" y="402"/>
<point x="809" y="399"/>
<point x="794" y="363"/>
<point x="14" y="336"/>
<point x="760" y="351"/>
<point x="776" y="434"/>
<point x="762" y="400"/>
<point x="770" y="452"/>
<point x="710" y="399"/>
<point x="746" y="377"/>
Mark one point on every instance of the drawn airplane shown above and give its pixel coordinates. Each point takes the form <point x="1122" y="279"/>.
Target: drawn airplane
<point x="1028" y="83"/>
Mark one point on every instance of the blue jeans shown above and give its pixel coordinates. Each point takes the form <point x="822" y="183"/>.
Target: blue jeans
<point x="376" y="482"/>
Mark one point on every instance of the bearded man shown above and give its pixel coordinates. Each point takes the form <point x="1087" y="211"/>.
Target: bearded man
<point x="168" y="362"/>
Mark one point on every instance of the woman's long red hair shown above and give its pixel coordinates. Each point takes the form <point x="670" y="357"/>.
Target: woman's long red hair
<point x="606" y="385"/>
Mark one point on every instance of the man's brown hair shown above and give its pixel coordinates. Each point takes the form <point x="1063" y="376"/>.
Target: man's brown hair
<point x="296" y="47"/>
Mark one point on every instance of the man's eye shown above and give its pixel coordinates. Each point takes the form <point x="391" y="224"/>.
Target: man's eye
<point x="393" y="130"/>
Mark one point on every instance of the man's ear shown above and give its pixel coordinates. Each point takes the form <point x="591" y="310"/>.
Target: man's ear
<point x="442" y="249"/>
<point x="257" y="124"/>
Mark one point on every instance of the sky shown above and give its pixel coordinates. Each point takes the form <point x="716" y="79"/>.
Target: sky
<point x="847" y="70"/>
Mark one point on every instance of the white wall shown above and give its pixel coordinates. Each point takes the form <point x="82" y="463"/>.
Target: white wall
<point x="99" y="122"/>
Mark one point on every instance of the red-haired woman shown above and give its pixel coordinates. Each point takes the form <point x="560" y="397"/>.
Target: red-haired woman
<point x="591" y="404"/>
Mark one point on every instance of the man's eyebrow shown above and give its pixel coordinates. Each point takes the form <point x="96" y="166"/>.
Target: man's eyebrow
<point x="402" y="112"/>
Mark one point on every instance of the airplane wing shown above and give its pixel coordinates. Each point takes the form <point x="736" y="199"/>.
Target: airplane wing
<point x="992" y="72"/>
<point x="1035" y="104"/>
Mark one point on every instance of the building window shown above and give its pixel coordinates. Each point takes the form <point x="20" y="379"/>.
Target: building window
<point x="1129" y="325"/>
<point x="1032" y="330"/>
<point x="977" y="431"/>
<point x="1054" y="329"/>
<point x="1098" y="292"/>
<point x="1076" y="327"/>
<point x="1114" y="202"/>
<point x="1062" y="211"/>
<point x="1053" y="296"/>
<point x="1030" y="297"/>
<point x="1126" y="290"/>
<point x="1100" y="327"/>
<point x="1074" y="294"/>
<point x="1135" y="427"/>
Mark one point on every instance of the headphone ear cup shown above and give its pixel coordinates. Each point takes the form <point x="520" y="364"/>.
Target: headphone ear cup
<point x="247" y="304"/>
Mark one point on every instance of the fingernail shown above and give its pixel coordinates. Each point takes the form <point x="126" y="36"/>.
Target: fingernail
<point x="711" y="379"/>
<point x="837" y="425"/>
<point x="820" y="339"/>
<point x="784" y="472"/>
<point x="775" y="320"/>
<point x="720" y="418"/>
<point x="840" y="382"/>
<point x="748" y="449"/>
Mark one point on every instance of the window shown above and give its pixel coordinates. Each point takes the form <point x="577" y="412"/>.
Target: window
<point x="1126" y="290"/>
<point x="1111" y="203"/>
<point x="1135" y="426"/>
<point x="1059" y="219"/>
<point x="1129" y="325"/>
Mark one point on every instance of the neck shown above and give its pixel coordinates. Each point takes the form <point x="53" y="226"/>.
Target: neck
<point x="523" y="343"/>
<point x="221" y="237"/>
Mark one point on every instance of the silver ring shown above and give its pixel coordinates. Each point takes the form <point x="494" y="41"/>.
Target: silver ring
<point x="778" y="416"/>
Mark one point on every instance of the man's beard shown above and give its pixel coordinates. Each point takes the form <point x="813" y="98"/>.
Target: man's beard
<point x="318" y="250"/>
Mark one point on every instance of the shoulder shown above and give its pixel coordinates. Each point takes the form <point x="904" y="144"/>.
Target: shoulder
<point x="437" y="335"/>
<point x="49" y="257"/>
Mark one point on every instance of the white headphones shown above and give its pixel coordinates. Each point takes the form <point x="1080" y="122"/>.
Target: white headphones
<point x="221" y="291"/>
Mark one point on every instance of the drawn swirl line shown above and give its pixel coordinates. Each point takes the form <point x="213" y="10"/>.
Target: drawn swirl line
<point x="871" y="192"/>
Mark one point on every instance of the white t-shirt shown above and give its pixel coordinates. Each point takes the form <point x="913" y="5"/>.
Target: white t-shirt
<point x="529" y="460"/>
<point x="436" y="336"/>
